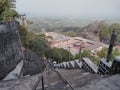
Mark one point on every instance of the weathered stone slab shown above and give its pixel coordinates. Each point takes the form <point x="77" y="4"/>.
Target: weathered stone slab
<point x="15" y="73"/>
<point x="67" y="65"/>
<point x="89" y="66"/>
<point x="72" y="64"/>
<point x="24" y="83"/>
<point x="58" y="65"/>
<point x="64" y="64"/>
<point x="111" y="83"/>
<point x="61" y="65"/>
<point x="78" y="64"/>
<point x="32" y="65"/>
<point x="104" y="67"/>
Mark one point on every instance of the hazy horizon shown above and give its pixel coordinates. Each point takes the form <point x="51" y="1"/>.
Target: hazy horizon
<point x="93" y="9"/>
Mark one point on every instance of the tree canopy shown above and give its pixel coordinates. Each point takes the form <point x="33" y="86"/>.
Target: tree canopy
<point x="58" y="54"/>
<point x="105" y="32"/>
<point x="103" y="53"/>
<point x="6" y="12"/>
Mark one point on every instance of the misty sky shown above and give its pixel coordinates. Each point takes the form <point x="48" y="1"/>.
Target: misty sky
<point x="71" y="8"/>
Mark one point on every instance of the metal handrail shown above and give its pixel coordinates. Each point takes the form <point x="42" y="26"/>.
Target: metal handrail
<point x="39" y="79"/>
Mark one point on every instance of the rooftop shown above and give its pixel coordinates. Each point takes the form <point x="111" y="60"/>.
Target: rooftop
<point x="73" y="42"/>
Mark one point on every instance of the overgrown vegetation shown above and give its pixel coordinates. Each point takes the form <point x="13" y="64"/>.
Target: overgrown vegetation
<point x="58" y="54"/>
<point x="35" y="42"/>
<point x="87" y="54"/>
<point x="103" y="53"/>
<point x="105" y="32"/>
<point x="40" y="45"/>
<point x="100" y="54"/>
<point x="6" y="13"/>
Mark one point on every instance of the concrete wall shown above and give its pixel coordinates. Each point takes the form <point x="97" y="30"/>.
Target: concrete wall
<point x="10" y="47"/>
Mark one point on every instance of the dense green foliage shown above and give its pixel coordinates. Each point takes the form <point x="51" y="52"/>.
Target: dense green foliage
<point x="87" y="54"/>
<point x="23" y="33"/>
<point x="35" y="42"/>
<point x="103" y="53"/>
<point x="58" y="54"/>
<point x="105" y="32"/>
<point x="5" y="12"/>
<point x="39" y="44"/>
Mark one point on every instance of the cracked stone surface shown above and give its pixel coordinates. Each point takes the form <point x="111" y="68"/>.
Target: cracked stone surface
<point x="53" y="81"/>
<point x="10" y="47"/>
<point x="79" y="79"/>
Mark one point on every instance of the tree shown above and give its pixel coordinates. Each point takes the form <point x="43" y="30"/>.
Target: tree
<point x="103" y="53"/>
<point x="23" y="34"/>
<point x="35" y="42"/>
<point x="115" y="26"/>
<point x="87" y="54"/>
<point x="38" y="44"/>
<point x="115" y="53"/>
<point x="105" y="32"/>
<point x="58" y="54"/>
<point x="6" y="12"/>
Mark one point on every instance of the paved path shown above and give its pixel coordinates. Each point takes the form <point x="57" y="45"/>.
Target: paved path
<point x="25" y="83"/>
<point x="53" y="81"/>
<point x="78" y="79"/>
<point x="111" y="83"/>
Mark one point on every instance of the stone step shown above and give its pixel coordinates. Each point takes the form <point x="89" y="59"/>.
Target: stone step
<point x="89" y="66"/>
<point x="64" y="65"/>
<point x="72" y="64"/>
<point x="75" y="64"/>
<point x="67" y="65"/>
<point x="78" y="64"/>
<point x="77" y="77"/>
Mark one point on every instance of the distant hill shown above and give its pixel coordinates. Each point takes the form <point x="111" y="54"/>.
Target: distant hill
<point x="100" y="30"/>
<point x="86" y="28"/>
<point x="56" y="23"/>
<point x="91" y="31"/>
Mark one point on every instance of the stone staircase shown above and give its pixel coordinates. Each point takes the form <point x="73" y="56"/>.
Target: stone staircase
<point x="94" y="77"/>
<point x="70" y="65"/>
<point x="85" y="64"/>
<point x="104" y="67"/>
<point x="81" y="75"/>
<point x="79" y="79"/>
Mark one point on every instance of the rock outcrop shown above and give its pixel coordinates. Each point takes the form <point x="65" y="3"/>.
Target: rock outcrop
<point x="11" y="52"/>
<point x="10" y="47"/>
<point x="32" y="63"/>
